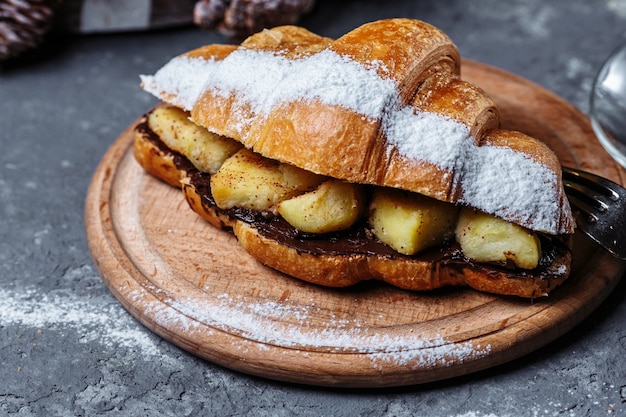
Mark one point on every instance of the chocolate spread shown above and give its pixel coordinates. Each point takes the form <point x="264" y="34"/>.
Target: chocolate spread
<point x="356" y="240"/>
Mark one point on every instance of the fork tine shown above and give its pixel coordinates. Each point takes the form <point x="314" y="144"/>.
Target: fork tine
<point x="584" y="195"/>
<point x="585" y="205"/>
<point x="601" y="205"/>
<point x="594" y="182"/>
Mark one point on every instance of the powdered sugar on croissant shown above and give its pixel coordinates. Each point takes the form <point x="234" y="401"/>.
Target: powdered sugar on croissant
<point x="381" y="105"/>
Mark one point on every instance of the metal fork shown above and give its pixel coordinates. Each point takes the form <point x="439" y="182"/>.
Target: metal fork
<point x="601" y="208"/>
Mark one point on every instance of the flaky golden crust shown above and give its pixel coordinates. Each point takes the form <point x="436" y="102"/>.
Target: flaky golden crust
<point x="413" y="49"/>
<point x="326" y="270"/>
<point x="423" y="63"/>
<point x="333" y="140"/>
<point x="403" y="272"/>
<point x="458" y="100"/>
<point x="334" y="270"/>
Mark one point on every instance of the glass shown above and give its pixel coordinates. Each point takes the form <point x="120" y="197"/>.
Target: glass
<point x="608" y="105"/>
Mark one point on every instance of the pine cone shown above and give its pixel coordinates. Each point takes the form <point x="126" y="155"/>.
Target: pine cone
<point x="238" y="18"/>
<point x="23" y="24"/>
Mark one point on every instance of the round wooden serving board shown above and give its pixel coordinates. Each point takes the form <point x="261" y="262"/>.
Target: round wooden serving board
<point x="194" y="286"/>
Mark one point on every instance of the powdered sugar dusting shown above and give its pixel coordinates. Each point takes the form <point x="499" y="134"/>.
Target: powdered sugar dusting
<point x="273" y="324"/>
<point x="427" y="136"/>
<point x="185" y="81"/>
<point x="325" y="76"/>
<point x="496" y="180"/>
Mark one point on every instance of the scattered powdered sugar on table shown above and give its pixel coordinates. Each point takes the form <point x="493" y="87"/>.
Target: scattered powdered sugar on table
<point x="333" y="79"/>
<point x="92" y="320"/>
<point x="270" y="324"/>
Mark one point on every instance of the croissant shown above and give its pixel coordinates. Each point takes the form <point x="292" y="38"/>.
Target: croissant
<point x="382" y="108"/>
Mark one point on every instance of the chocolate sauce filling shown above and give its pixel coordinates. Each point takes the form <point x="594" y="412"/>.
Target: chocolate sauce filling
<point x="358" y="239"/>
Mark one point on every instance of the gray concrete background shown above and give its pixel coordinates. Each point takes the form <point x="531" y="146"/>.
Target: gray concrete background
<point x="68" y="348"/>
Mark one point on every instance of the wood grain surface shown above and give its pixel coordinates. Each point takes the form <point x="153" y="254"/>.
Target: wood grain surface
<point x="195" y="287"/>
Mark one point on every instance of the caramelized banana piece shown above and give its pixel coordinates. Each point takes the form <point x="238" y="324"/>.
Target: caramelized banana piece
<point x="205" y="150"/>
<point x="410" y="222"/>
<point x="249" y="180"/>
<point x="335" y="205"/>
<point x="485" y="238"/>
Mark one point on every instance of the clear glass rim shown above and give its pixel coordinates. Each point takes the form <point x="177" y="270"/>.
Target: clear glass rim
<point x="615" y="150"/>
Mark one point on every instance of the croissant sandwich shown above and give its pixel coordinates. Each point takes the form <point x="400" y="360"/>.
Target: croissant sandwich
<point x="365" y="157"/>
